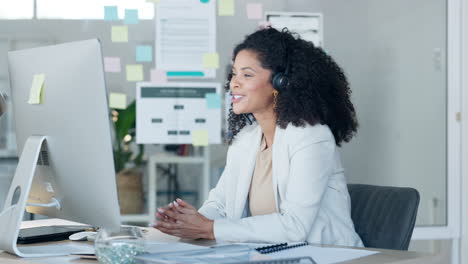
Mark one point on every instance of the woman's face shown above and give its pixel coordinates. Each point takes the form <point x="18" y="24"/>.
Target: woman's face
<point x="251" y="89"/>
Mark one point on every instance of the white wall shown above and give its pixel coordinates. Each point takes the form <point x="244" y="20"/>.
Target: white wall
<point x="388" y="50"/>
<point x="464" y="187"/>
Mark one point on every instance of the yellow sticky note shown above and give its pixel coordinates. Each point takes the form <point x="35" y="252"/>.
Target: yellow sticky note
<point x="119" y="33"/>
<point x="134" y="72"/>
<point x="153" y="1"/>
<point x="37" y="87"/>
<point x="225" y="7"/>
<point x="211" y="60"/>
<point x="200" y="137"/>
<point x="117" y="100"/>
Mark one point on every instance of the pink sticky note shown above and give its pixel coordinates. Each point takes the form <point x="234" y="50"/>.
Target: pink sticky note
<point x="264" y="24"/>
<point x="254" y="11"/>
<point x="111" y="64"/>
<point x="158" y="76"/>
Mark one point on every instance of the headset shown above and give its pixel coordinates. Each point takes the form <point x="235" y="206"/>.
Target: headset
<point x="280" y="80"/>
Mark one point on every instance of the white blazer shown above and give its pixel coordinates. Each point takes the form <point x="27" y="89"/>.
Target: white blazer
<point x="311" y="195"/>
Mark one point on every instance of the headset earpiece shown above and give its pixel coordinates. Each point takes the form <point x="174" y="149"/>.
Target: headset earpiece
<point x="280" y="81"/>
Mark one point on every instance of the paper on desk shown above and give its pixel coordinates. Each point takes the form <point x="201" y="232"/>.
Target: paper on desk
<point x="221" y="254"/>
<point x="254" y="245"/>
<point x="323" y="255"/>
<point x="60" y="248"/>
<point x="160" y="247"/>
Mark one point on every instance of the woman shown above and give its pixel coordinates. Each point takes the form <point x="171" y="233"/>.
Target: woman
<point x="283" y="180"/>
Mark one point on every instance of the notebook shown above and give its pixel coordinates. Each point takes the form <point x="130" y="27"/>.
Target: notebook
<point x="279" y="247"/>
<point x="321" y="255"/>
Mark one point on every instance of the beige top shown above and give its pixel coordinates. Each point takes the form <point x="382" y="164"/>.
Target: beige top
<point x="261" y="196"/>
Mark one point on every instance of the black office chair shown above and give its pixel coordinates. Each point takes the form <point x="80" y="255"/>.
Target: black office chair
<point x="384" y="217"/>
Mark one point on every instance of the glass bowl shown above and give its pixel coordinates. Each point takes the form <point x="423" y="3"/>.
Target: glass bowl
<point x="119" y="247"/>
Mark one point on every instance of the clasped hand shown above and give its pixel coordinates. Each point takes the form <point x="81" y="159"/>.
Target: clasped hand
<point x="181" y="219"/>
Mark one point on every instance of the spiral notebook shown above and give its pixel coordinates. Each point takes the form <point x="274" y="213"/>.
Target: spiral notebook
<point x="321" y="255"/>
<point x="279" y="247"/>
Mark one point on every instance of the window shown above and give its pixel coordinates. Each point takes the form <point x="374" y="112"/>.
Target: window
<point x="71" y="9"/>
<point x="18" y="9"/>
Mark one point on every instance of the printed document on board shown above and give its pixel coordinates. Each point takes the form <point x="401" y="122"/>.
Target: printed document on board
<point x="185" y="31"/>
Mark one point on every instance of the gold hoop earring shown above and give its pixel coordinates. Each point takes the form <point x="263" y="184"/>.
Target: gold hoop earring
<point x="275" y="94"/>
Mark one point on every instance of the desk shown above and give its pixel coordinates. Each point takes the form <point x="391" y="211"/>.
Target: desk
<point x="384" y="256"/>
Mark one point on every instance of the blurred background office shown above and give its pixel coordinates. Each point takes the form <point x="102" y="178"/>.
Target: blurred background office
<point x="403" y="59"/>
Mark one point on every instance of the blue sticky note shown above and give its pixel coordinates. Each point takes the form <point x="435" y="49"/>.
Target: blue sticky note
<point x="131" y="16"/>
<point x="213" y="100"/>
<point x="144" y="53"/>
<point x="204" y="1"/>
<point x="110" y="13"/>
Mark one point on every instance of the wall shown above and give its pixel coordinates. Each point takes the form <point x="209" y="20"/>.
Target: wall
<point x="464" y="209"/>
<point x="18" y="34"/>
<point x="393" y="53"/>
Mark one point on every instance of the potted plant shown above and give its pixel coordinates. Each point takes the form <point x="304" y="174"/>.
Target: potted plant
<point x="128" y="165"/>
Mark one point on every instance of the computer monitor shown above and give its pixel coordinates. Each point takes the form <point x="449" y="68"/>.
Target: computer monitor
<point x="66" y="168"/>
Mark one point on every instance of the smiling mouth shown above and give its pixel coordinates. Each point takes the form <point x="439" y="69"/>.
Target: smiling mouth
<point x="237" y="98"/>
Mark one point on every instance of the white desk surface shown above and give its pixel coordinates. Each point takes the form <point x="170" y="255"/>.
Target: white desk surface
<point x="384" y="256"/>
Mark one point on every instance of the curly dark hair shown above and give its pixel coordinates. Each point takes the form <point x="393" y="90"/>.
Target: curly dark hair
<point x="317" y="92"/>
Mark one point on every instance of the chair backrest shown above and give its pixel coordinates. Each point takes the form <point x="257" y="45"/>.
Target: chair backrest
<point x="383" y="216"/>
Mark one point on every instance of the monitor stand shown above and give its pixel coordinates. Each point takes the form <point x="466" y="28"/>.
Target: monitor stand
<point x="16" y="201"/>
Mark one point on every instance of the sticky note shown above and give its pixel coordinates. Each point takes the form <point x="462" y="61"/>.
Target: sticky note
<point x="111" y="64"/>
<point x="134" y="72"/>
<point x="117" y="100"/>
<point x="119" y="33"/>
<point x="144" y="53"/>
<point x="200" y="137"/>
<point x="225" y="7"/>
<point x="254" y="11"/>
<point x="110" y="13"/>
<point x="36" y="91"/>
<point x="131" y="16"/>
<point x="204" y="1"/>
<point x="264" y="24"/>
<point x="211" y="60"/>
<point x="158" y="76"/>
<point x="153" y="1"/>
<point x="213" y="100"/>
